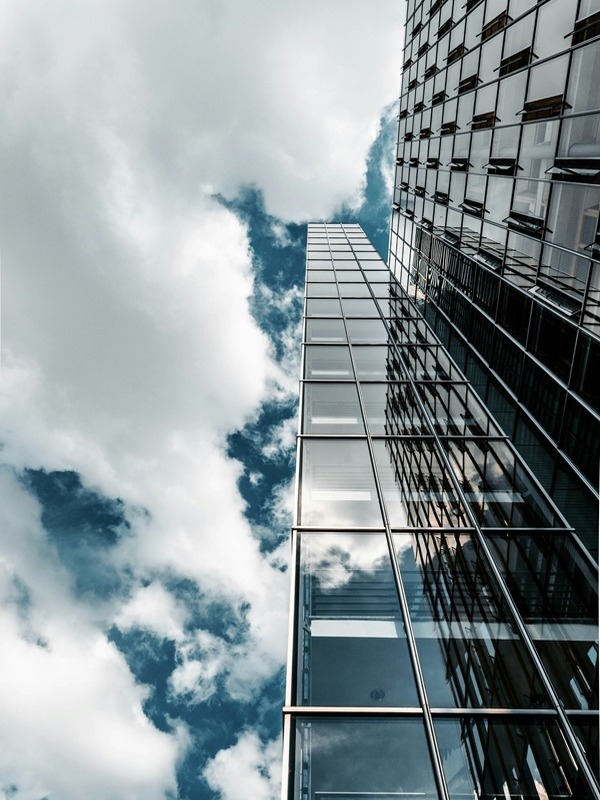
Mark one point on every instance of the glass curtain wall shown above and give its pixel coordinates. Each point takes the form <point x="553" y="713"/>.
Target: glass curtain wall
<point x="443" y="636"/>
<point x="495" y="223"/>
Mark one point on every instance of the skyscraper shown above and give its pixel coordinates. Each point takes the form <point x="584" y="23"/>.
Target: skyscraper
<point x="495" y="222"/>
<point x="443" y="639"/>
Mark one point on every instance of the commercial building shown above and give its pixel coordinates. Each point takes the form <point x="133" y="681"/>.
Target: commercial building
<point x="443" y="638"/>
<point x="495" y="222"/>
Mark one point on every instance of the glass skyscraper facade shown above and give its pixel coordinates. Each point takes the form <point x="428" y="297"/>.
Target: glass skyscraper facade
<point x="443" y="638"/>
<point x="495" y="221"/>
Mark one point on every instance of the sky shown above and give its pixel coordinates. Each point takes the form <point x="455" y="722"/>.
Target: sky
<point x="159" y="162"/>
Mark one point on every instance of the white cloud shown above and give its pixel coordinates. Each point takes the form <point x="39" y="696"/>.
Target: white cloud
<point x="154" y="609"/>
<point x="128" y="347"/>
<point x="250" y="768"/>
<point x="72" y="719"/>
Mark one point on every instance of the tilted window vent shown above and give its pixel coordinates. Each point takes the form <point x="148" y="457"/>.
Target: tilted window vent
<point x="473" y="207"/>
<point x="594" y="247"/>
<point x="495" y="25"/>
<point x="403" y="114"/>
<point x="435" y="6"/>
<point x="442" y="198"/>
<point x="443" y="29"/>
<point x="418" y="107"/>
<point x="432" y="163"/>
<point x="455" y="54"/>
<point x="438" y="98"/>
<point x="488" y="259"/>
<point x="544" y="108"/>
<point x="423" y="49"/>
<point x="426" y="223"/>
<point x="448" y="128"/>
<point x="480" y="121"/>
<point x="413" y="83"/>
<point x="468" y="83"/>
<point x="554" y="297"/>
<point x="471" y="4"/>
<point x="460" y="164"/>
<point x="420" y="191"/>
<point x="517" y="61"/>
<point x="525" y="223"/>
<point x="407" y="63"/>
<point x="450" y="237"/>
<point x="405" y="185"/>
<point x="580" y="170"/>
<point x="430" y="71"/>
<point x="408" y="137"/>
<point x="408" y="212"/>
<point x="399" y="161"/>
<point x="414" y="162"/>
<point x="502" y="166"/>
<point x="396" y="206"/>
<point x="425" y="133"/>
<point x="586" y="29"/>
<point x="416" y="29"/>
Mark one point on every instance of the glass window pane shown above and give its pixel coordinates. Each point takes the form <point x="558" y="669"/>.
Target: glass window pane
<point x="393" y="409"/>
<point x="340" y="759"/>
<point x="354" y="290"/>
<point x="331" y="408"/>
<point x="351" y="635"/>
<point x="323" y="308"/>
<point x="325" y="330"/>
<point x="416" y="487"/>
<point x="470" y="651"/>
<point x="332" y="363"/>
<point x="557" y="595"/>
<point x="376" y="363"/>
<point x="494" y="759"/>
<point x="498" y="489"/>
<point x="338" y="487"/>
<point x="366" y="330"/>
<point x="320" y="276"/>
<point x="321" y="290"/>
<point x="359" y="308"/>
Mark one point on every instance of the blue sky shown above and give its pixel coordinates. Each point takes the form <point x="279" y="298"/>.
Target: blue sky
<point x="159" y="171"/>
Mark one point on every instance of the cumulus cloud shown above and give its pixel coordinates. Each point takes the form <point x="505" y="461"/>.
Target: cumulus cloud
<point x="250" y="768"/>
<point x="73" y="721"/>
<point x="130" y="349"/>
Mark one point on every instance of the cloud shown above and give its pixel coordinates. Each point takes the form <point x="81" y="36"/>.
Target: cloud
<point x="73" y="720"/>
<point x="130" y="349"/>
<point x="215" y="96"/>
<point x="250" y="768"/>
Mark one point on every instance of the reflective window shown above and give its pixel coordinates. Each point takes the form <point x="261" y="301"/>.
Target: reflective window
<point x="323" y="308"/>
<point x="359" y="308"/>
<point x="492" y="758"/>
<point x="338" y="486"/>
<point x="325" y="330"/>
<point x="352" y="641"/>
<point x="469" y="648"/>
<point x="416" y="487"/>
<point x="496" y="486"/>
<point x="339" y="759"/>
<point x="331" y="408"/>
<point x="332" y="363"/>
<point x="366" y="331"/>
<point x="557" y="595"/>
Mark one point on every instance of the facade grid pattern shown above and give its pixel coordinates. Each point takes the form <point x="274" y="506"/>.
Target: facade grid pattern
<point x="495" y="222"/>
<point x="443" y="635"/>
